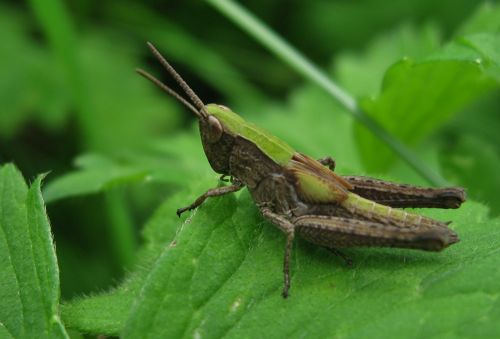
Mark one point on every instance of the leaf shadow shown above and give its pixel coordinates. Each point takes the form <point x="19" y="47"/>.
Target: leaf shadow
<point x="388" y="259"/>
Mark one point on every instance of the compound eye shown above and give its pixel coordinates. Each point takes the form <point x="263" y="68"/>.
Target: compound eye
<point x="214" y="129"/>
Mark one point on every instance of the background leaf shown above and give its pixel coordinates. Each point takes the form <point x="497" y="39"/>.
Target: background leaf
<point x="471" y="160"/>
<point x="485" y="19"/>
<point x="411" y="109"/>
<point x="29" y="90"/>
<point x="362" y="73"/>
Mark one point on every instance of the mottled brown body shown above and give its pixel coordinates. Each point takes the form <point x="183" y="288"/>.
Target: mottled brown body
<point x="403" y="195"/>
<point x="301" y="196"/>
<point x="274" y="189"/>
<point x="277" y="192"/>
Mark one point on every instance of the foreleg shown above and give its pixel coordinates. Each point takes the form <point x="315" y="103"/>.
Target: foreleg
<point x="213" y="192"/>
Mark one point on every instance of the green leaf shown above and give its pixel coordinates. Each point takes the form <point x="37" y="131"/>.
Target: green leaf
<point x="92" y="181"/>
<point x="219" y="272"/>
<point x="28" y="266"/>
<point x="222" y="276"/>
<point x="419" y="97"/>
<point x="412" y="105"/>
<point x="107" y="312"/>
<point x="161" y="162"/>
<point x="487" y="46"/>
<point x="362" y="73"/>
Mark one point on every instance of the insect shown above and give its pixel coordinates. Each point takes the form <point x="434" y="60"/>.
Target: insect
<point x="304" y="196"/>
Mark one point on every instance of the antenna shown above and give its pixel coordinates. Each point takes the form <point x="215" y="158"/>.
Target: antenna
<point x="169" y="91"/>
<point x="183" y="84"/>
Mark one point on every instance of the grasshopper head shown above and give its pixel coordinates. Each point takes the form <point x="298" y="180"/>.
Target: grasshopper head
<point x="217" y="143"/>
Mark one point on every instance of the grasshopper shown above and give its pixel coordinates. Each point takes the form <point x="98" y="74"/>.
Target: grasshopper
<point x="304" y="196"/>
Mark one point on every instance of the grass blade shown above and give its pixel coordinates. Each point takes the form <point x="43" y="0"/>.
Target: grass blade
<point x="263" y="34"/>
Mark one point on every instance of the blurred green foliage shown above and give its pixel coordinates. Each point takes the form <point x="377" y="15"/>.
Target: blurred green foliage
<point x="116" y="147"/>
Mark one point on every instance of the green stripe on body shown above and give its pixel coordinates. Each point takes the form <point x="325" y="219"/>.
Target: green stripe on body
<point x="370" y="209"/>
<point x="273" y="147"/>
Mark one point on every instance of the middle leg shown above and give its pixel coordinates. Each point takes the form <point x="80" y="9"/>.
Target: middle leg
<point x="288" y="228"/>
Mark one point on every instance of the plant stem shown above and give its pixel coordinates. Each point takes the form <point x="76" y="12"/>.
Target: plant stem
<point x="263" y="34"/>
